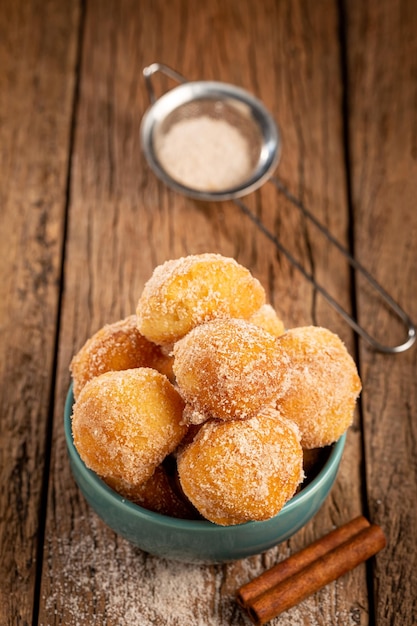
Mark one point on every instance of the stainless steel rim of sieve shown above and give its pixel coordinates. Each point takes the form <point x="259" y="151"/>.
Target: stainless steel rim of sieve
<point x="219" y="100"/>
<point x="186" y="94"/>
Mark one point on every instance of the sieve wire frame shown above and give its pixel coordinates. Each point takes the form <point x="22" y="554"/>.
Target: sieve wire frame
<point x="202" y="93"/>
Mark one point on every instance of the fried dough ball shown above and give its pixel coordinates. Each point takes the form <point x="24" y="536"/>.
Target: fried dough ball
<point x="226" y="369"/>
<point x="125" y="423"/>
<point x="159" y="493"/>
<point x="117" y="346"/>
<point x="185" y="292"/>
<point x="242" y="470"/>
<point x="321" y="384"/>
<point x="267" y="318"/>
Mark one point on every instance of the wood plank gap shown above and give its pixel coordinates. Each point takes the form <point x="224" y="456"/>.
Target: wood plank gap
<point x="52" y="393"/>
<point x="344" y="72"/>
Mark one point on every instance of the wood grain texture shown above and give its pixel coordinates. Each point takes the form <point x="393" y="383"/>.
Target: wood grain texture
<point x="37" y="57"/>
<point x="123" y="222"/>
<point x="383" y="137"/>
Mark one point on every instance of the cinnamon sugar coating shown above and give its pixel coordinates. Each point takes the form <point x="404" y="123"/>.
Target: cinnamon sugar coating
<point x="159" y="493"/>
<point x="115" y="347"/>
<point x="188" y="291"/>
<point x="248" y="396"/>
<point x="125" y="423"/>
<point x="226" y="369"/>
<point x="242" y="470"/>
<point x="321" y="384"/>
<point x="267" y="318"/>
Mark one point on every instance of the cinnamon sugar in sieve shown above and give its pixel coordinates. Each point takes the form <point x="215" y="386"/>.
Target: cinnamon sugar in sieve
<point x="205" y="153"/>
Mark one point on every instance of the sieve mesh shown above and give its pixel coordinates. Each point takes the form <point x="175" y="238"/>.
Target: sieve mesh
<point x="209" y="144"/>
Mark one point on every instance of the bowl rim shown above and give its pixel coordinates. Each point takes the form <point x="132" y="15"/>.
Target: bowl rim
<point x="184" y="524"/>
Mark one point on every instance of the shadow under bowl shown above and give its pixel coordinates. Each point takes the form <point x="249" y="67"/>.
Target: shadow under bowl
<point x="199" y="541"/>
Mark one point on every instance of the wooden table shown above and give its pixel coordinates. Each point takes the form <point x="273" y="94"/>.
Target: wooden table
<point x="83" y="222"/>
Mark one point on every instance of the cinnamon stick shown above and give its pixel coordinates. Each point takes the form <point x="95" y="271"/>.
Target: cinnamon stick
<point x="319" y="573"/>
<point x="300" y="560"/>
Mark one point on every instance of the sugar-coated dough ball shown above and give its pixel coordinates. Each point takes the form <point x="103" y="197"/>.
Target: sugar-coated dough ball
<point x="267" y="318"/>
<point x="160" y="493"/>
<point x="226" y="369"/>
<point x="242" y="470"/>
<point x="185" y="292"/>
<point x="117" y="346"/>
<point x="125" y="423"/>
<point x="321" y="384"/>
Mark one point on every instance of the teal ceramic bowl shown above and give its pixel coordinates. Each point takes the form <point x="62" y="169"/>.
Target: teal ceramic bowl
<point x="199" y="541"/>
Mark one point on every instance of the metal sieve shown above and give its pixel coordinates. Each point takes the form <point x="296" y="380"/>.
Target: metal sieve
<point x="219" y="103"/>
<point x="240" y="150"/>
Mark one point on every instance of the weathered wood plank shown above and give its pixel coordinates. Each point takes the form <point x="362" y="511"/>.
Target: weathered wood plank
<point x="123" y="222"/>
<point x="37" y="58"/>
<point x="383" y="131"/>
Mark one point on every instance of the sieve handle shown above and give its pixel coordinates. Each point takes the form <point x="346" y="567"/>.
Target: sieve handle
<point x="150" y="70"/>
<point x="411" y="330"/>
